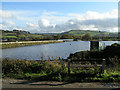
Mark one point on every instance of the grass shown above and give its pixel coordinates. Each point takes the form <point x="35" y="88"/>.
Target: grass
<point x="9" y="37"/>
<point x="82" y="32"/>
<point x="35" y="35"/>
<point x="106" y="77"/>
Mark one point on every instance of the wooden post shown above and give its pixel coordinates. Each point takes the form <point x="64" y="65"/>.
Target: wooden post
<point x="95" y="66"/>
<point x="68" y="66"/>
<point x="82" y="56"/>
<point x="103" y="65"/>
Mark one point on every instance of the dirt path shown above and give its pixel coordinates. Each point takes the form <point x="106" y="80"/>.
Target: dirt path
<point x="14" y="83"/>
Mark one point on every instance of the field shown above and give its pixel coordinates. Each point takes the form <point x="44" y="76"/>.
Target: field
<point x="9" y="37"/>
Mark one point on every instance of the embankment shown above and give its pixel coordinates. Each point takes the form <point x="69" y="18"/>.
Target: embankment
<point x="26" y="43"/>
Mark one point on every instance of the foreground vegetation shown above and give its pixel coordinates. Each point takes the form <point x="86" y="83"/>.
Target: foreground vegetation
<point x="13" y="45"/>
<point x="46" y="70"/>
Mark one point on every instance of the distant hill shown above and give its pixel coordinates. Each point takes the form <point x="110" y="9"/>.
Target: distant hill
<point x="49" y="33"/>
<point x="92" y="33"/>
<point x="82" y="32"/>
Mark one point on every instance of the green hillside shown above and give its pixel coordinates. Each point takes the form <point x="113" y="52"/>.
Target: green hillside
<point x="92" y="33"/>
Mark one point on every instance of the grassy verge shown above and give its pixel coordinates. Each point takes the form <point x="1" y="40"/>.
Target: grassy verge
<point x="14" y="45"/>
<point x="46" y="70"/>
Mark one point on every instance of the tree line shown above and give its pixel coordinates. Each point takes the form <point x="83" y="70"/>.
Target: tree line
<point x="19" y="35"/>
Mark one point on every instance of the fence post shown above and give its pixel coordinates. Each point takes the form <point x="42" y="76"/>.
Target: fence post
<point x="82" y="55"/>
<point x="103" y="65"/>
<point x="68" y="66"/>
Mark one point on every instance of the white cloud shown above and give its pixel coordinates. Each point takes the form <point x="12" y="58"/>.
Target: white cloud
<point x="6" y="14"/>
<point x="51" y="13"/>
<point x="46" y="26"/>
<point x="32" y="25"/>
<point x="88" y="27"/>
<point x="45" y="22"/>
<point x="8" y="25"/>
<point x="90" y="15"/>
<point x="59" y="22"/>
<point x="115" y="29"/>
<point x="71" y="22"/>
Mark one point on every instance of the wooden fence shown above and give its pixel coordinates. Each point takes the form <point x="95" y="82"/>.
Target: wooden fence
<point x="82" y="63"/>
<point x="94" y="64"/>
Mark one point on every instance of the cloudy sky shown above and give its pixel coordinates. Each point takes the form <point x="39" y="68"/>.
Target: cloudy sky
<point x="54" y="17"/>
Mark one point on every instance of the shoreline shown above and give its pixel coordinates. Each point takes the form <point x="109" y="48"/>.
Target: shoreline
<point x="6" y="45"/>
<point x="30" y="41"/>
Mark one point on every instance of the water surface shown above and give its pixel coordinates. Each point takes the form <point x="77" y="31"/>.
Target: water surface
<point x="46" y="51"/>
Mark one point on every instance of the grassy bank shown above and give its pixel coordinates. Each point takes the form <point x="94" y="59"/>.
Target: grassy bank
<point x="46" y="70"/>
<point x="18" y="44"/>
<point x="110" y="53"/>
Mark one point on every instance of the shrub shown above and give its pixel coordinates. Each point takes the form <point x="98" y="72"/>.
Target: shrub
<point x="47" y="70"/>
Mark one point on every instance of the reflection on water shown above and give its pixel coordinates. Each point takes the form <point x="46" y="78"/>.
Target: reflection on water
<point x="46" y="51"/>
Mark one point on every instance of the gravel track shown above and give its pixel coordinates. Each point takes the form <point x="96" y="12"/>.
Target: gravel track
<point x="14" y="83"/>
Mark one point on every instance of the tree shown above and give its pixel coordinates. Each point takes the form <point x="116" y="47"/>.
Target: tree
<point x="66" y="36"/>
<point x="58" y="36"/>
<point x="87" y="37"/>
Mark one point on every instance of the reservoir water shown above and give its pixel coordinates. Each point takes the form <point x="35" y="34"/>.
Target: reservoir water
<point x="47" y="51"/>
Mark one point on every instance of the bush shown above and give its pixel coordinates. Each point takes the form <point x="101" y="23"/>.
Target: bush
<point x="32" y="69"/>
<point x="57" y="71"/>
<point x="106" y="77"/>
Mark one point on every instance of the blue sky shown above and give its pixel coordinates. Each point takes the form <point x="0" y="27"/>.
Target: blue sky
<point x="52" y="16"/>
<point x="65" y="7"/>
